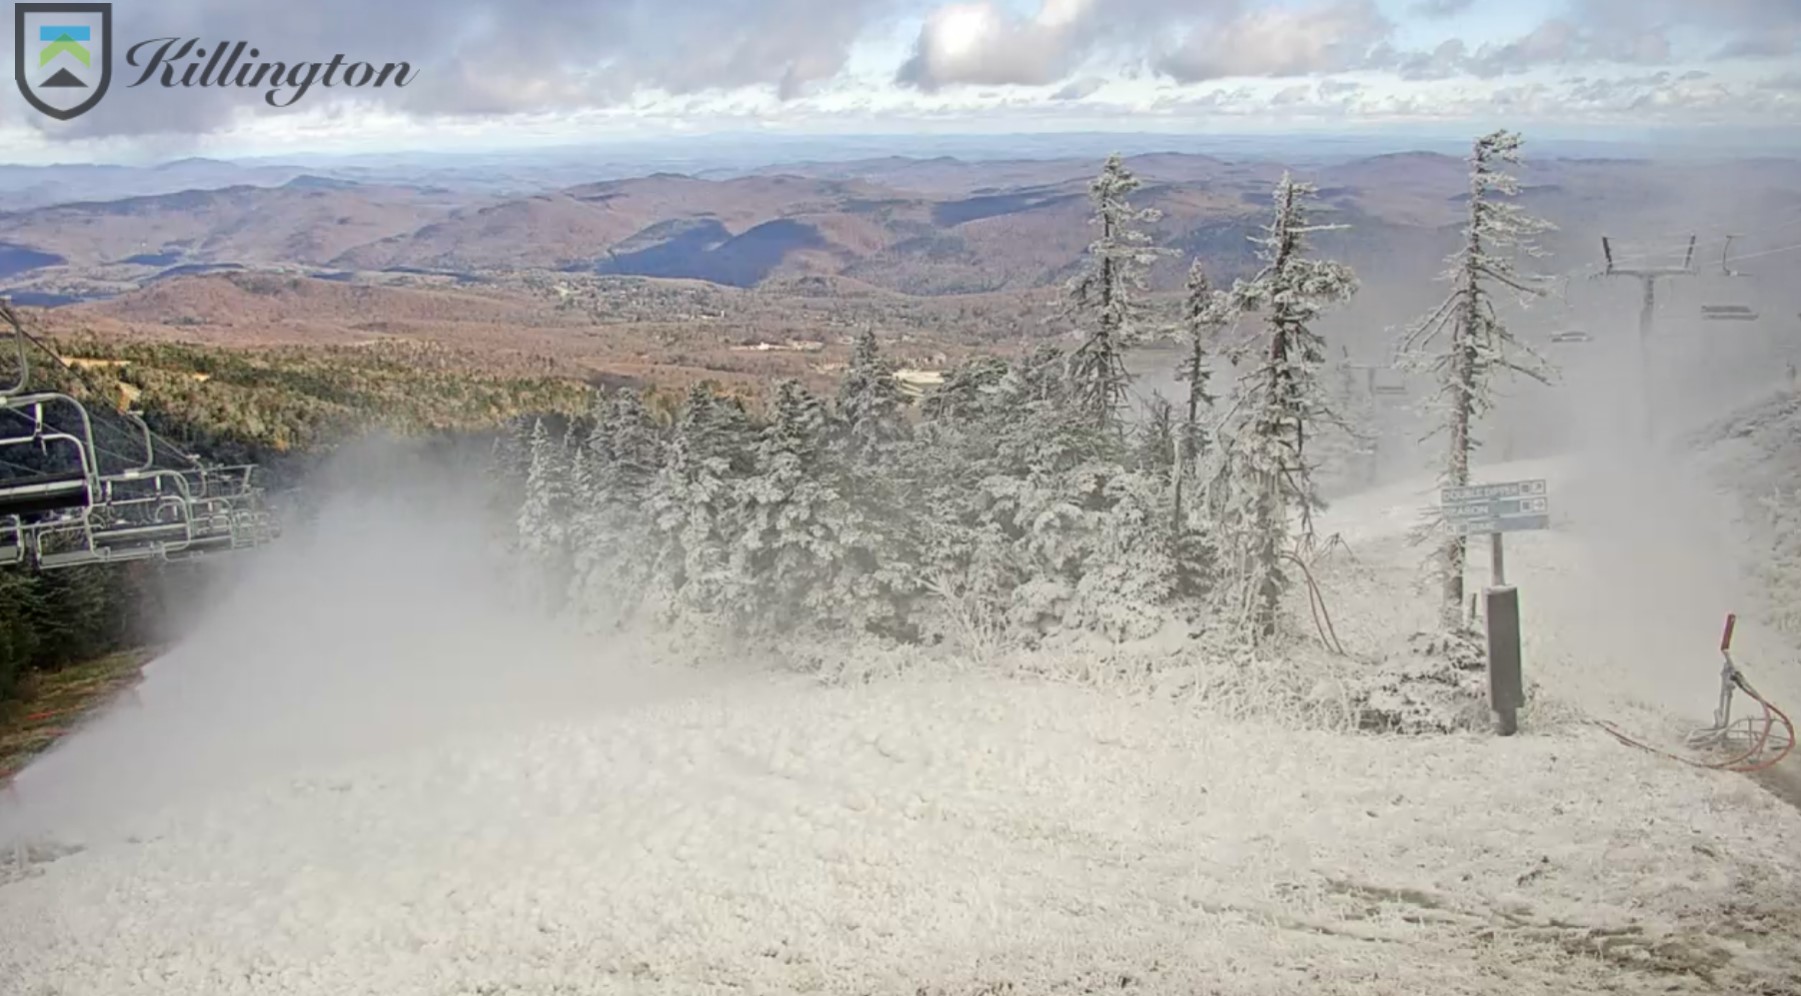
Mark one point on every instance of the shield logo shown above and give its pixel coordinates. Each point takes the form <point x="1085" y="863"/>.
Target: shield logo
<point x="63" y="55"/>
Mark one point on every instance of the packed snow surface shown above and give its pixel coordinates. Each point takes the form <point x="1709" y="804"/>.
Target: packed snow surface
<point x="773" y="837"/>
<point x="939" y="833"/>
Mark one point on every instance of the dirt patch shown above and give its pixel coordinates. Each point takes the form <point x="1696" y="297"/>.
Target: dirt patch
<point x="55" y="702"/>
<point x="1703" y="953"/>
<point x="1783" y="781"/>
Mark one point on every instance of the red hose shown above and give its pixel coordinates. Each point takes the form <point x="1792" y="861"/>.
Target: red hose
<point x="1786" y="748"/>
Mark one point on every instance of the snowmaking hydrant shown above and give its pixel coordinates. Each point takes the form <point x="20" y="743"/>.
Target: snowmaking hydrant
<point x="1746" y="745"/>
<point x="1751" y="743"/>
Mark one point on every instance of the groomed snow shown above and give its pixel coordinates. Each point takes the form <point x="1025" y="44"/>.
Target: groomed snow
<point x="775" y="837"/>
<point x="950" y="834"/>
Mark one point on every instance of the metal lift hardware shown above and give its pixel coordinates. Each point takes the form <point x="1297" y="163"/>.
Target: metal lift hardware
<point x="66" y="500"/>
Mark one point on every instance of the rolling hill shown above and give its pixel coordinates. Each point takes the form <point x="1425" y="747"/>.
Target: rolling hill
<point x="926" y="227"/>
<point x="306" y="220"/>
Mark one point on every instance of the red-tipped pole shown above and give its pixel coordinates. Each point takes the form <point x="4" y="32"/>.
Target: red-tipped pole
<point x="1726" y="637"/>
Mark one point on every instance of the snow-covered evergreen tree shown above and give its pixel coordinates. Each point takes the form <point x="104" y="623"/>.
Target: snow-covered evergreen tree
<point x="1278" y="403"/>
<point x="792" y="519"/>
<point x="968" y="392"/>
<point x="1463" y="341"/>
<point x="869" y="400"/>
<point x="1035" y="518"/>
<point x="581" y="478"/>
<point x="694" y="500"/>
<point x="633" y="451"/>
<point x="544" y="516"/>
<point x="1205" y="313"/>
<point x="509" y="461"/>
<point x="1104" y="297"/>
<point x="616" y="545"/>
<point x="1158" y="442"/>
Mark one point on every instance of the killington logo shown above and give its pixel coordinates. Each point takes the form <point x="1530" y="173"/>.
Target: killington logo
<point x="63" y="60"/>
<point x="63" y="55"/>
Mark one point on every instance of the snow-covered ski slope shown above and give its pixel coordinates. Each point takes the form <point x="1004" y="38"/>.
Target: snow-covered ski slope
<point x="936" y="834"/>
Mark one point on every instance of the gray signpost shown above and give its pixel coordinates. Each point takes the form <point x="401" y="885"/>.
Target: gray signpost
<point x="1499" y="509"/>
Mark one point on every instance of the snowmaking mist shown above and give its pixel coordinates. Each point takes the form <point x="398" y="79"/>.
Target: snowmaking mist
<point x="383" y="622"/>
<point x="1646" y="559"/>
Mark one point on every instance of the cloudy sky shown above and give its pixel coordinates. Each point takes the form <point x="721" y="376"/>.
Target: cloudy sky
<point x="493" y="73"/>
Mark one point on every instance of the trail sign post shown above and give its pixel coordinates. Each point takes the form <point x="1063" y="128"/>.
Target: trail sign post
<point x="1498" y="509"/>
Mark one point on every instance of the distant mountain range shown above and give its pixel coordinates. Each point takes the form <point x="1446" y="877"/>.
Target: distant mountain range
<point x="932" y="226"/>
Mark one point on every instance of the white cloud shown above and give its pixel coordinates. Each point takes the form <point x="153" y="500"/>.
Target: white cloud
<point x="522" y="66"/>
<point x="1281" y="41"/>
<point x="1440" y="8"/>
<point x="1080" y="89"/>
<point x="979" y="43"/>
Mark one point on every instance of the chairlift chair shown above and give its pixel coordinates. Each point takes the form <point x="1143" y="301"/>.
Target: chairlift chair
<point x="60" y="489"/>
<point x="73" y="513"/>
<point x="1742" y="307"/>
<point x="12" y="541"/>
<point x="140" y="516"/>
<point x="1728" y="313"/>
<point x="47" y="490"/>
<point x="1387" y="382"/>
<point x="88" y="505"/>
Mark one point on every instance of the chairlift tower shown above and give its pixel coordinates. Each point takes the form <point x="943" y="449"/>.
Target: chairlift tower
<point x="1647" y="276"/>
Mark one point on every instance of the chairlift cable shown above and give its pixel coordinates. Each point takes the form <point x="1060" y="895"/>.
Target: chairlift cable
<point x="1663" y="249"/>
<point x="1764" y="252"/>
<point x="96" y="424"/>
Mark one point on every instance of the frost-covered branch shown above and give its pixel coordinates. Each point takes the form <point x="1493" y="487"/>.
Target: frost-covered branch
<point x="1478" y="344"/>
<point x="1266" y="478"/>
<point x="1104" y="298"/>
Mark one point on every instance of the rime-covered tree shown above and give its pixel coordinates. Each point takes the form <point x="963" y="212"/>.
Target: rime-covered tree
<point x="615" y="548"/>
<point x="1205" y="315"/>
<point x="869" y="400"/>
<point x="792" y="519"/>
<point x="581" y="477"/>
<point x="1001" y="513"/>
<point x="694" y="498"/>
<point x="633" y="450"/>
<point x="871" y="473"/>
<point x="1158" y="442"/>
<point x="1278" y="402"/>
<point x="1104" y="297"/>
<point x="967" y="393"/>
<point x="544" y="516"/>
<point x="1463" y="341"/>
<point x="504" y="478"/>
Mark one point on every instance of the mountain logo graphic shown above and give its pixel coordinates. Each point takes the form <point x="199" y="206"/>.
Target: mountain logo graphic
<point x="63" y="55"/>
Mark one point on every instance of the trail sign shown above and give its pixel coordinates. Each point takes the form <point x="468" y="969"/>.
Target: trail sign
<point x="1484" y="492"/>
<point x="1509" y="507"/>
<point x="1495" y="509"/>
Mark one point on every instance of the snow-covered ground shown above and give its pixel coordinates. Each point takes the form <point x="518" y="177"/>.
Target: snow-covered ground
<point x="599" y="827"/>
<point x="950" y="836"/>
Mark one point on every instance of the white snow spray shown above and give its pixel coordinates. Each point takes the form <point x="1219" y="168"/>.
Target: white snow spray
<point x="384" y="625"/>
